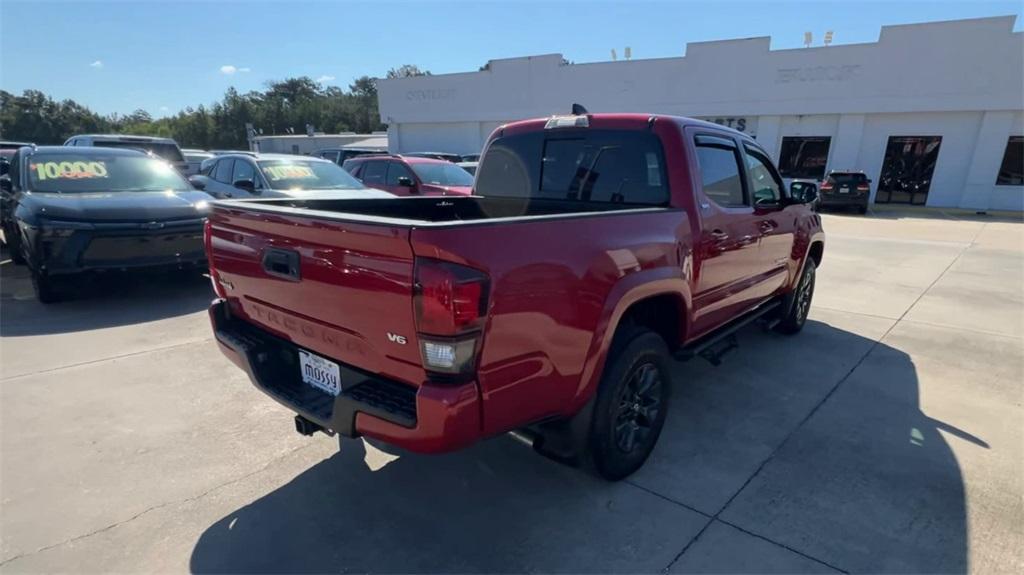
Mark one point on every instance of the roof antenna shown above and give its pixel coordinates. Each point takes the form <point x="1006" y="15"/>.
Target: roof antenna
<point x="579" y="110"/>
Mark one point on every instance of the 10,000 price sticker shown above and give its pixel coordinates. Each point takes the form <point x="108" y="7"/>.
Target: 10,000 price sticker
<point x="69" y="170"/>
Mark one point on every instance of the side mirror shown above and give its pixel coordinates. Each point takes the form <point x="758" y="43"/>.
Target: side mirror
<point x="246" y="185"/>
<point x="406" y="182"/>
<point x="198" y="182"/>
<point x="5" y="184"/>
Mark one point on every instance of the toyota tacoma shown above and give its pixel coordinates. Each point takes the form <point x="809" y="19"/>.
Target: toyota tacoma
<point x="595" y="249"/>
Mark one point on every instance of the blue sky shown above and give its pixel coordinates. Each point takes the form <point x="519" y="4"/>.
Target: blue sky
<point x="163" y="56"/>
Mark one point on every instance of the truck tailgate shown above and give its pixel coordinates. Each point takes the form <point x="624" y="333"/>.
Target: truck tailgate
<point x="343" y="290"/>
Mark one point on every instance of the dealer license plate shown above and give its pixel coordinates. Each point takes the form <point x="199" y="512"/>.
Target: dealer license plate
<point x="321" y="373"/>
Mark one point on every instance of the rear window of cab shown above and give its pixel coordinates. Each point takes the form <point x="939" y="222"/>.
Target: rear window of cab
<point x="845" y="178"/>
<point x="608" y="166"/>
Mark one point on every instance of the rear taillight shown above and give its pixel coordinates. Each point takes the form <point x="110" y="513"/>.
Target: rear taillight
<point x="451" y="307"/>
<point x="826" y="187"/>
<point x="863" y="188"/>
<point x="208" y="246"/>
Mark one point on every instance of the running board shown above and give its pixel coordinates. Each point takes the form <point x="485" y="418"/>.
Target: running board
<point x="723" y="340"/>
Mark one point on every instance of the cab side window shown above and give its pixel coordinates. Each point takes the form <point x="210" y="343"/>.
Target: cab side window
<point x="223" y="171"/>
<point x="398" y="170"/>
<point x="374" y="173"/>
<point x="14" y="170"/>
<point x="765" y="183"/>
<point x="720" y="174"/>
<point x="243" y="171"/>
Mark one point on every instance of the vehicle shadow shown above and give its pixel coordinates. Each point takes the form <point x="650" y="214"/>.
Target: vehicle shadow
<point x="500" y="508"/>
<point x="106" y="300"/>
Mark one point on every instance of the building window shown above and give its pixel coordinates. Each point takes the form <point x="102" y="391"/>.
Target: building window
<point x="1011" y="172"/>
<point x="804" y="157"/>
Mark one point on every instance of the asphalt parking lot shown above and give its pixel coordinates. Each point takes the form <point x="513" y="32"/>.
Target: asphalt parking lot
<point x="886" y="437"/>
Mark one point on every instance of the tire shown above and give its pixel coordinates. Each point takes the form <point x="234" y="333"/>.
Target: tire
<point x="45" y="288"/>
<point x="862" y="210"/>
<point x="799" y="305"/>
<point x="631" y="404"/>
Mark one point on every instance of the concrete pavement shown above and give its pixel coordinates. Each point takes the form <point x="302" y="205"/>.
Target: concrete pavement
<point x="885" y="437"/>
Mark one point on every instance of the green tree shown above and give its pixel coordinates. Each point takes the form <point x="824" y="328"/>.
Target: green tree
<point x="289" y="103"/>
<point x="406" y="71"/>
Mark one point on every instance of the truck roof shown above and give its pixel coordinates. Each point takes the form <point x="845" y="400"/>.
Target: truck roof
<point x="407" y="159"/>
<point x="125" y="137"/>
<point x="620" y="121"/>
<point x="87" y="151"/>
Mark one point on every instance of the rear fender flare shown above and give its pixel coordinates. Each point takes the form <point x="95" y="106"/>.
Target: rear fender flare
<point x="629" y="290"/>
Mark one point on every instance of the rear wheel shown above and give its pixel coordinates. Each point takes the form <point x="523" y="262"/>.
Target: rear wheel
<point x="862" y="210"/>
<point x="799" y="304"/>
<point x="631" y="404"/>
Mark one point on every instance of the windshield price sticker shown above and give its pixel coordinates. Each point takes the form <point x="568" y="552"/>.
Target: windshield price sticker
<point x="291" y="172"/>
<point x="69" y="170"/>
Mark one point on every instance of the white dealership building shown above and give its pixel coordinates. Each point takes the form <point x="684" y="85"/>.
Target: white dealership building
<point x="933" y="113"/>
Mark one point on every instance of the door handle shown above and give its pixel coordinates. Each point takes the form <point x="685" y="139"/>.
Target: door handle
<point x="767" y="226"/>
<point x="282" y="263"/>
<point x="718" y="235"/>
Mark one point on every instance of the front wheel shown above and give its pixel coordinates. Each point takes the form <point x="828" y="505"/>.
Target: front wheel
<point x="45" y="288"/>
<point x="631" y="404"/>
<point x="13" y="244"/>
<point x="799" y="305"/>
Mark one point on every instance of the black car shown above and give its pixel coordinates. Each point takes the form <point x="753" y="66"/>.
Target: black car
<point x="69" y="210"/>
<point x="843" y="189"/>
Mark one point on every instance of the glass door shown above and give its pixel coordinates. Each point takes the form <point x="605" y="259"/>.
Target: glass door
<point x="907" y="170"/>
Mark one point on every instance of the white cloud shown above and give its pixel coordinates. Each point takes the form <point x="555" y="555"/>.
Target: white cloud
<point x="96" y="64"/>
<point x="228" y="69"/>
<point x="324" y="79"/>
<point x="164" y="109"/>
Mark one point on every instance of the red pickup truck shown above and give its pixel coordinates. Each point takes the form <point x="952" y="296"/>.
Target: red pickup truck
<point x="596" y="248"/>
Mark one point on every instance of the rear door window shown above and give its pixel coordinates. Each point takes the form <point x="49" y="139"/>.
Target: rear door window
<point x="608" y="166"/>
<point x="848" y="179"/>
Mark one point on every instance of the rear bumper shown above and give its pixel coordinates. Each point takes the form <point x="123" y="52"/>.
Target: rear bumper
<point x="836" y="199"/>
<point x="428" y="419"/>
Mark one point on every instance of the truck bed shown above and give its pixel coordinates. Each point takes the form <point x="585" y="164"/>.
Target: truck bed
<point x="435" y="211"/>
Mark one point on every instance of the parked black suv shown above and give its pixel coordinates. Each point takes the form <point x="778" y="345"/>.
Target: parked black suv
<point x="843" y="189"/>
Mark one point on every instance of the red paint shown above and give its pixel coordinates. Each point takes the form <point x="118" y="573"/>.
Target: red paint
<point x="557" y="288"/>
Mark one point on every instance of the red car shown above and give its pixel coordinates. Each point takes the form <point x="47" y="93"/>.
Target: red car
<point x="595" y="250"/>
<point x="410" y="176"/>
